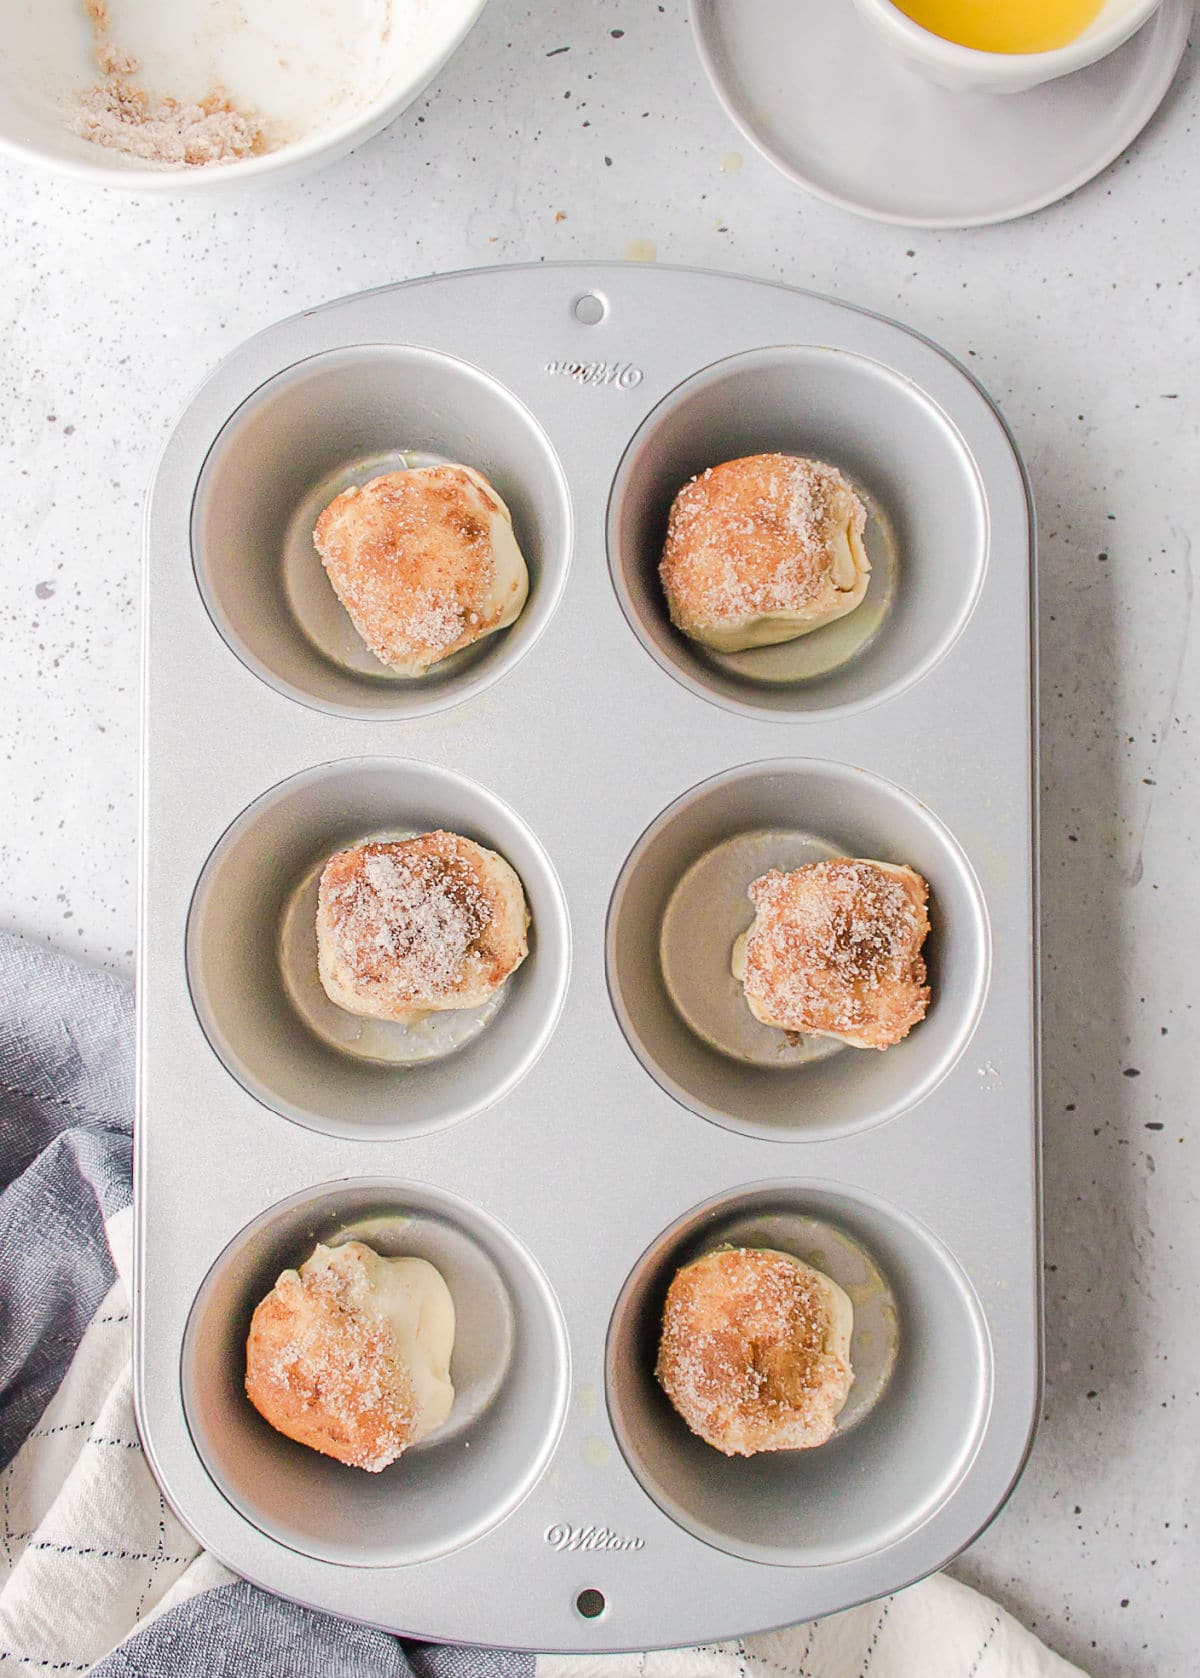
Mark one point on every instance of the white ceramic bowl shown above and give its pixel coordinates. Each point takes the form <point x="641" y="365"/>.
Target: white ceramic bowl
<point x="326" y="73"/>
<point x="965" y="70"/>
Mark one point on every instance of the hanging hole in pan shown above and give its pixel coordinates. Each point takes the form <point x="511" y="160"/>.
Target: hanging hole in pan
<point x="590" y="1604"/>
<point x="589" y="309"/>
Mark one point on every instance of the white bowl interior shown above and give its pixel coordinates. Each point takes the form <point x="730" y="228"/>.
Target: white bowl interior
<point x="1112" y="25"/>
<point x="1117" y="11"/>
<point x="311" y="72"/>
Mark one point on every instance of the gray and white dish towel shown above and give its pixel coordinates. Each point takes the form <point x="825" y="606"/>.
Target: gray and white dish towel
<point x="97" y="1575"/>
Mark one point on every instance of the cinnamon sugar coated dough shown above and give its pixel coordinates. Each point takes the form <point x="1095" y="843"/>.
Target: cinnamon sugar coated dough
<point x="425" y="562"/>
<point x="835" y="951"/>
<point x="411" y="927"/>
<point x="350" y="1355"/>
<point x="762" y="550"/>
<point x="755" y="1351"/>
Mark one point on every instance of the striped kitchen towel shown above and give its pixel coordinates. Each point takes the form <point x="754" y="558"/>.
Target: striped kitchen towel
<point x="96" y="1574"/>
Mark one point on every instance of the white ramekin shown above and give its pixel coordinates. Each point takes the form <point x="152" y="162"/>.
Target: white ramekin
<point x="33" y="129"/>
<point x="965" y="70"/>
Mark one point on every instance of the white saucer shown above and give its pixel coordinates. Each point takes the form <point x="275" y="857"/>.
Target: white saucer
<point x="813" y="90"/>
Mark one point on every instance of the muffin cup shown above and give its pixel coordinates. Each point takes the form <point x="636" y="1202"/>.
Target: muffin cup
<point x="338" y="419"/>
<point x="927" y="533"/>
<point x="920" y="1346"/>
<point x="241" y="969"/>
<point x="808" y="809"/>
<point x="510" y="1369"/>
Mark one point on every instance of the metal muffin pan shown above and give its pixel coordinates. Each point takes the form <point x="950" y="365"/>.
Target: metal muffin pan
<point x="562" y="1162"/>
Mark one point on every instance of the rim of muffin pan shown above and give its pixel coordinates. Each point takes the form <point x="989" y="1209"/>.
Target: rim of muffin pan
<point x="510" y="1367"/>
<point x="898" y="448"/>
<point x="852" y="812"/>
<point x="874" y="1482"/>
<point x="339" y="417"/>
<point x="238" y="975"/>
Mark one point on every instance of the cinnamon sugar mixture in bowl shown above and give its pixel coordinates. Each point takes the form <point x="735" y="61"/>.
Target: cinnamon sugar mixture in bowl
<point x="156" y="128"/>
<point x="135" y="93"/>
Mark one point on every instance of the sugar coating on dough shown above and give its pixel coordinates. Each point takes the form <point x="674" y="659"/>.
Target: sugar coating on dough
<point x="763" y="549"/>
<point x="425" y="562"/>
<point x="350" y="1354"/>
<point x="755" y="1350"/>
<point x="835" y="950"/>
<point x="416" y="926"/>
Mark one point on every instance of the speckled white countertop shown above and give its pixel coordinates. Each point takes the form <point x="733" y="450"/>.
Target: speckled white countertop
<point x="575" y="130"/>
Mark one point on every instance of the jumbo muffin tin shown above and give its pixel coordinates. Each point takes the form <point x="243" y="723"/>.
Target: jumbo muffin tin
<point x="610" y="1122"/>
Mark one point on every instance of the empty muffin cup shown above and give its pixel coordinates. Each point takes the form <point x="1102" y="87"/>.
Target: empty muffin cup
<point x="509" y="1367"/>
<point x="252" y="957"/>
<point x="338" y="419"/>
<point x="680" y="904"/>
<point x="912" y="1423"/>
<point x="926" y="535"/>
